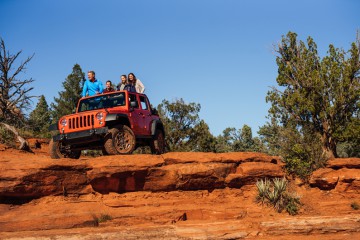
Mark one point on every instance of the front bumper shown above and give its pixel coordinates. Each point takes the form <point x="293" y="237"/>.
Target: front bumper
<point x="82" y="136"/>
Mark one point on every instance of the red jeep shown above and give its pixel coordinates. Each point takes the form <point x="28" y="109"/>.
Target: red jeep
<point x="115" y="123"/>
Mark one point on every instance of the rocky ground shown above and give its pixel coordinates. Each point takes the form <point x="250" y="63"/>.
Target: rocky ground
<point x="171" y="196"/>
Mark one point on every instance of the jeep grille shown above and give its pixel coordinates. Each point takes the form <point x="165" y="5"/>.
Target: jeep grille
<point x="81" y="121"/>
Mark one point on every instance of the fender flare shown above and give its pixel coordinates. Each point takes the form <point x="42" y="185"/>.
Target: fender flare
<point x="117" y="118"/>
<point x="157" y="124"/>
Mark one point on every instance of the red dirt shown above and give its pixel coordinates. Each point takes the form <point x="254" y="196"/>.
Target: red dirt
<point x="161" y="210"/>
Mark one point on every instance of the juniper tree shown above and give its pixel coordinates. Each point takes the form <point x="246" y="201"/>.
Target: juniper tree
<point x="320" y="94"/>
<point x="238" y="140"/>
<point x="184" y="129"/>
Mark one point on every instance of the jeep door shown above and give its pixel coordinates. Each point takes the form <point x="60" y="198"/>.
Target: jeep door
<point x="145" y="114"/>
<point x="139" y="115"/>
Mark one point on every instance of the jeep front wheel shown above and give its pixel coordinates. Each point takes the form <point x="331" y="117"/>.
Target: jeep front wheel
<point x="121" y="140"/>
<point x="54" y="148"/>
<point x="157" y="144"/>
<point x="56" y="152"/>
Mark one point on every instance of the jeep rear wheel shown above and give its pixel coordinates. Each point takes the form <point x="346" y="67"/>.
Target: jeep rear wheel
<point x="56" y="151"/>
<point x="121" y="140"/>
<point x="157" y="144"/>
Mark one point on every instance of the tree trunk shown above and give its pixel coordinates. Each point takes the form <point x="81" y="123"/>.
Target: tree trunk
<point x="329" y="147"/>
<point x="24" y="145"/>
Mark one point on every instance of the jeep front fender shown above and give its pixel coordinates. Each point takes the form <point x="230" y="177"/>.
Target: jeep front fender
<point x="117" y="118"/>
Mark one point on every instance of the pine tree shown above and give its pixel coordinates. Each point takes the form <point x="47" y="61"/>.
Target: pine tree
<point x="68" y="99"/>
<point x="40" y="117"/>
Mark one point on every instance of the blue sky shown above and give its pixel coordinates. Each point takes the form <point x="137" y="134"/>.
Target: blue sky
<point x="218" y="53"/>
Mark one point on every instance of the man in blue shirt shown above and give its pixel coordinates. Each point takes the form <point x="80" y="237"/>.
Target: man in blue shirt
<point x="92" y="86"/>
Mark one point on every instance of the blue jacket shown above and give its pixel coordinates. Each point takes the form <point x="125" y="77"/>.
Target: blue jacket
<point x="92" y="87"/>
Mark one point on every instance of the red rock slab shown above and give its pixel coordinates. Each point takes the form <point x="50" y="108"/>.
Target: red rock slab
<point x="234" y="157"/>
<point x="338" y="163"/>
<point x="248" y="173"/>
<point x="327" y="178"/>
<point x="191" y="176"/>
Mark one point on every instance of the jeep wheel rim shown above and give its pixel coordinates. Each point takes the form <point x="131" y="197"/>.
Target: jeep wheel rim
<point x="59" y="150"/>
<point x="123" y="142"/>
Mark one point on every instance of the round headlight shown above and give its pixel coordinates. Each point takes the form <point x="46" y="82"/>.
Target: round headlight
<point x="63" y="122"/>
<point x="99" y="116"/>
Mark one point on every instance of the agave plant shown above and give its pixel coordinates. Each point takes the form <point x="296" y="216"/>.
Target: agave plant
<point x="263" y="187"/>
<point x="275" y="193"/>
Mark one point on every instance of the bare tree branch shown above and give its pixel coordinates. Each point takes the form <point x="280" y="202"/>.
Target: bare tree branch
<point x="24" y="145"/>
<point x="14" y="91"/>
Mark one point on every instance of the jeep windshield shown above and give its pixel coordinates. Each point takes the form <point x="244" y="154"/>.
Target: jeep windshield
<point x="102" y="101"/>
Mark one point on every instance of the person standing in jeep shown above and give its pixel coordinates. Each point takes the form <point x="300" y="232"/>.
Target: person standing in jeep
<point x="92" y="86"/>
<point x="139" y="86"/>
<point x="109" y="87"/>
<point x="122" y="83"/>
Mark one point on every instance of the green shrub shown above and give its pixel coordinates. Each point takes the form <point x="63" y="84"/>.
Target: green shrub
<point x="91" y="153"/>
<point x="302" y="152"/>
<point x="292" y="205"/>
<point x="142" y="150"/>
<point x="275" y="193"/>
<point x="103" y="218"/>
<point x="7" y="137"/>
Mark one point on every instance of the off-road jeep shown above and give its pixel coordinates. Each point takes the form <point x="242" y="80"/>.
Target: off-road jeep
<point x="115" y="123"/>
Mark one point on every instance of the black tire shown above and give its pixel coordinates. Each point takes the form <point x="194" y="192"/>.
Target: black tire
<point x="56" y="153"/>
<point x="104" y="152"/>
<point x="55" y="150"/>
<point x="157" y="144"/>
<point x="120" y="140"/>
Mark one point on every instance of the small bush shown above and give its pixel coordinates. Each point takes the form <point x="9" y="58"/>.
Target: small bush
<point x="355" y="206"/>
<point x="275" y="194"/>
<point x="7" y="137"/>
<point x="91" y="153"/>
<point x="292" y="205"/>
<point x="142" y="150"/>
<point x="103" y="218"/>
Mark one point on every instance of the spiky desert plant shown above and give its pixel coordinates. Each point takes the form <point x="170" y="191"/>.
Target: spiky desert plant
<point x="263" y="187"/>
<point x="275" y="194"/>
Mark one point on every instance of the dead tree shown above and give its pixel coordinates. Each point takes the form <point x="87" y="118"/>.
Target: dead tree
<point x="24" y="145"/>
<point x="14" y="92"/>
